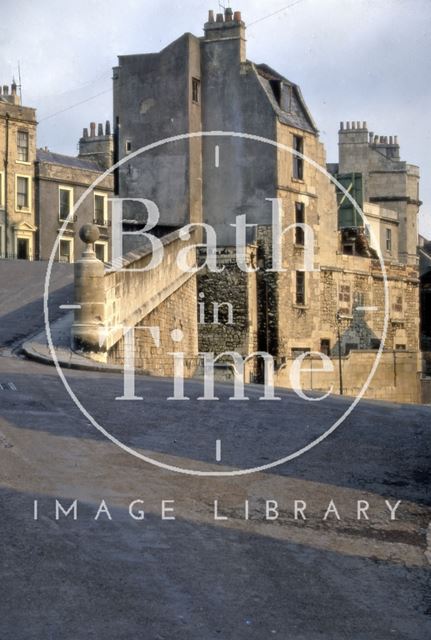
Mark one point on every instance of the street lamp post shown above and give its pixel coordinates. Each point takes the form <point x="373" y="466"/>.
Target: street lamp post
<point x="340" y="368"/>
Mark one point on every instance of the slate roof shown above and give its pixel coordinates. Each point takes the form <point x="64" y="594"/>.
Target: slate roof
<point x="299" y="115"/>
<point x="67" y="161"/>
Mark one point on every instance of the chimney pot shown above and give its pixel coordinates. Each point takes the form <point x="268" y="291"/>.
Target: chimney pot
<point x="353" y="124"/>
<point x="358" y="125"/>
<point x="13" y="88"/>
<point x="5" y="90"/>
<point x="347" y="125"/>
<point x="391" y="140"/>
<point x="341" y="126"/>
<point x="85" y="132"/>
<point x="237" y="16"/>
<point x="228" y="13"/>
<point x="381" y="140"/>
<point x="210" y="15"/>
<point x="371" y="136"/>
<point x="92" y="129"/>
<point x="395" y="139"/>
<point x="376" y="139"/>
<point x="364" y="125"/>
<point x="219" y="17"/>
<point x="100" y="129"/>
<point x="107" y="128"/>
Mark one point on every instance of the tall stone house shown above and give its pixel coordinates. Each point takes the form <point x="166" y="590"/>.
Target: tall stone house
<point x="39" y="188"/>
<point x="18" y="226"/>
<point x="208" y="84"/>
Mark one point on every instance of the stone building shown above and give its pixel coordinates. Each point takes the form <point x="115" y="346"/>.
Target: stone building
<point x="18" y="225"/>
<point x="390" y="188"/>
<point x="38" y="188"/>
<point x="273" y="170"/>
<point x="61" y="181"/>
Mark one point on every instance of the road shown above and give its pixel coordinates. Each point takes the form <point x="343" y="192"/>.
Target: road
<point x="107" y="574"/>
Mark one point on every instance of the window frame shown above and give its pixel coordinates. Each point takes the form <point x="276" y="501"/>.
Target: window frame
<point x="300" y="298"/>
<point x="388" y="240"/>
<point x="196" y="85"/>
<point x="105" y="250"/>
<point x="100" y="194"/>
<point x="70" y="242"/>
<point x="299" y="231"/>
<point x="298" y="163"/>
<point x="325" y="346"/>
<point x="26" y="133"/>
<point x="28" y="179"/>
<point x="70" y="192"/>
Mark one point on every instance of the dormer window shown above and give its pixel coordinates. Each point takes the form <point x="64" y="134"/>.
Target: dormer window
<point x="286" y="97"/>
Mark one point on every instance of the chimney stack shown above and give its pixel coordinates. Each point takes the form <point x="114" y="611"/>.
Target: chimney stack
<point x="227" y="30"/>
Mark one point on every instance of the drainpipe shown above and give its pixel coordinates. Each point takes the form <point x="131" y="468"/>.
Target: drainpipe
<point x="6" y="185"/>
<point x="340" y="366"/>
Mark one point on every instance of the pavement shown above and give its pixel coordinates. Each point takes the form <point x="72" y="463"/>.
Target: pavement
<point x="38" y="349"/>
<point x="120" y="569"/>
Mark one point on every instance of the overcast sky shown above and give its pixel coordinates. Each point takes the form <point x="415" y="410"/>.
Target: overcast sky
<point x="354" y="60"/>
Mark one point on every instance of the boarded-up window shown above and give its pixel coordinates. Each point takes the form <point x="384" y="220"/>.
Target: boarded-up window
<point x="397" y="305"/>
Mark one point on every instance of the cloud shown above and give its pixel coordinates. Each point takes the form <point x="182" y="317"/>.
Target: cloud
<point x="354" y="60"/>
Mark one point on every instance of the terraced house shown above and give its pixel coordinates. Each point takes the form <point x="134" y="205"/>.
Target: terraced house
<point x="39" y="188"/>
<point x="18" y="225"/>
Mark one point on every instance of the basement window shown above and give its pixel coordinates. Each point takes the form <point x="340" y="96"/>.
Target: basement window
<point x="196" y="90"/>
<point x="128" y="146"/>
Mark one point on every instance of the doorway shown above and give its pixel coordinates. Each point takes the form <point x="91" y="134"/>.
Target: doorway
<point x="22" y="249"/>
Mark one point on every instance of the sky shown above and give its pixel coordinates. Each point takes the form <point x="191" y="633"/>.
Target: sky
<point x="353" y="59"/>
